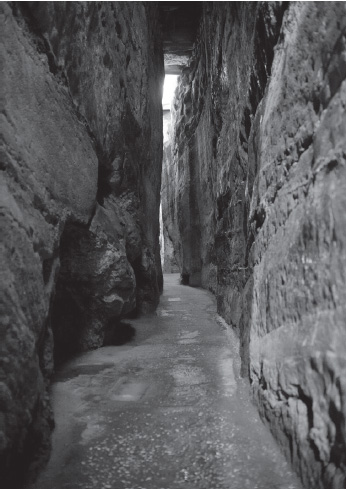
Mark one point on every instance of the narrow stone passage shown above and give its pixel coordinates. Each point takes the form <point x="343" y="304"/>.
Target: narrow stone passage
<point x="166" y="410"/>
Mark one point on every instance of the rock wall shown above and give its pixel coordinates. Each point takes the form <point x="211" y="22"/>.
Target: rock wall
<point x="258" y="210"/>
<point x="81" y="162"/>
<point x="170" y="246"/>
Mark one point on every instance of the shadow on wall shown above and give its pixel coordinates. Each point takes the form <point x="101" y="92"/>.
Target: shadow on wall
<point x="118" y="333"/>
<point x="184" y="279"/>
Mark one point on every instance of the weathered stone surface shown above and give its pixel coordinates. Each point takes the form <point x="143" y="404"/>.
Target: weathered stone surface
<point x="298" y="337"/>
<point x="170" y="248"/>
<point x="109" y="52"/>
<point x="259" y="159"/>
<point x="81" y="160"/>
<point x="207" y="146"/>
<point x="96" y="279"/>
<point x="37" y="197"/>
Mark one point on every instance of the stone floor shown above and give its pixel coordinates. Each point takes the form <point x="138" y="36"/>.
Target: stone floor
<point x="166" y="410"/>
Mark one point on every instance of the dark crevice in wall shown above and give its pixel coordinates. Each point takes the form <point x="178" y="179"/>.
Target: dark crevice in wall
<point x="148" y="287"/>
<point x="104" y="188"/>
<point x="338" y="449"/>
<point x="118" y="332"/>
<point x="67" y="318"/>
<point x="32" y="452"/>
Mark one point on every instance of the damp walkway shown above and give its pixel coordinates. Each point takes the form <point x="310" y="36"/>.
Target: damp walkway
<point x="166" y="410"/>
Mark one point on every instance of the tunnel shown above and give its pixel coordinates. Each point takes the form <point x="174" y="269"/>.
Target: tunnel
<point x="173" y="201"/>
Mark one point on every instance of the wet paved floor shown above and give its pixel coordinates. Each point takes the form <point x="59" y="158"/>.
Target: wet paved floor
<point x="167" y="410"/>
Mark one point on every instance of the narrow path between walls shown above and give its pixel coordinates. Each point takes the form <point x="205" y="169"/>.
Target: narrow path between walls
<point x="164" y="411"/>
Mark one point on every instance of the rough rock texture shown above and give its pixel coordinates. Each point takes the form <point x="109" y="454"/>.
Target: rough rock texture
<point x="81" y="163"/>
<point x="258" y="210"/>
<point x="170" y="249"/>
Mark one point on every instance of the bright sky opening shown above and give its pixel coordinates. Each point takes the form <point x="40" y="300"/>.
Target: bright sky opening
<point x="168" y="90"/>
